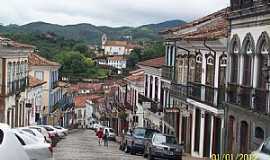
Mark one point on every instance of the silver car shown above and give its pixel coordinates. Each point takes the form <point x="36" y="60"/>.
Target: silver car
<point x="164" y="146"/>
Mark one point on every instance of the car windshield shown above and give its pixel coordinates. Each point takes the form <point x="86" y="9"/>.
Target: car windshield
<point x="111" y="130"/>
<point x="161" y="139"/>
<point x="139" y="132"/>
<point x="48" y="128"/>
<point x="57" y="127"/>
<point x="29" y="131"/>
<point x="266" y="147"/>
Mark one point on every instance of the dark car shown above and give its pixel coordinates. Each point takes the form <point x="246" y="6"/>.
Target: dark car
<point x="134" y="142"/>
<point x="164" y="146"/>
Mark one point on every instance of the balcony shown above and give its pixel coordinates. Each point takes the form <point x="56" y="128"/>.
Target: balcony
<point x="232" y="92"/>
<point x="167" y="72"/>
<point x="203" y="93"/>
<point x="245" y="94"/>
<point x="178" y="91"/>
<point x="260" y="101"/>
<point x="154" y="106"/>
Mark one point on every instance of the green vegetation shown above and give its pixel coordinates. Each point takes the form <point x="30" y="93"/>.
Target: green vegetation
<point x="74" y="56"/>
<point x="152" y="50"/>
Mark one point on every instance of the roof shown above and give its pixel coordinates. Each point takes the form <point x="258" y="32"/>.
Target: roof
<point x="36" y="60"/>
<point x="34" y="82"/>
<point x="117" y="58"/>
<point x="209" y="27"/>
<point x="81" y="100"/>
<point x="126" y="44"/>
<point x="10" y="43"/>
<point x="91" y="86"/>
<point x="156" y="63"/>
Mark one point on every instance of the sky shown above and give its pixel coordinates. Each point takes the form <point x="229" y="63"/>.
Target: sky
<point x="105" y="12"/>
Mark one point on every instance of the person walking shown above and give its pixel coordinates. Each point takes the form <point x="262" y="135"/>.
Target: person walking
<point x="106" y="138"/>
<point x="100" y="135"/>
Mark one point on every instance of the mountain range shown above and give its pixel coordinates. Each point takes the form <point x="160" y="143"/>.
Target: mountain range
<point x="91" y="33"/>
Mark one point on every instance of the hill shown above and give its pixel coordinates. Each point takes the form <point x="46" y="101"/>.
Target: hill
<point x="91" y="33"/>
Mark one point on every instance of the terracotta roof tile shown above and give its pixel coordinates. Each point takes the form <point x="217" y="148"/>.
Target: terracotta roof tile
<point x="156" y="63"/>
<point x="209" y="27"/>
<point x="33" y="82"/>
<point x="81" y="100"/>
<point x="126" y="44"/>
<point x="91" y="86"/>
<point x="36" y="60"/>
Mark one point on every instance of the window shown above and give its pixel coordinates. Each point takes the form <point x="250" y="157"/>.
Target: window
<point x="263" y="59"/>
<point x="259" y="133"/>
<point x="39" y="75"/>
<point x="247" y="70"/>
<point x="192" y="63"/>
<point x="1" y="136"/>
<point x="20" y="140"/>
<point x="198" y="68"/>
<point x="222" y="70"/>
<point x="210" y="70"/>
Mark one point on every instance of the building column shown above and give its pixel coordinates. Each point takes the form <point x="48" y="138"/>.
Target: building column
<point x="222" y="133"/>
<point x="212" y="132"/>
<point x="202" y="133"/>
<point x="193" y="131"/>
<point x="153" y="87"/>
<point x="180" y="127"/>
<point x="148" y="86"/>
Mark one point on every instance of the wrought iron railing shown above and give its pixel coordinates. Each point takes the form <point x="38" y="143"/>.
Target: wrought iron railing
<point x="178" y="91"/>
<point x="167" y="72"/>
<point x="260" y="100"/>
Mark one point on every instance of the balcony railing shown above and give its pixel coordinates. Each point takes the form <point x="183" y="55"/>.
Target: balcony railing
<point x="167" y="72"/>
<point x="260" y="101"/>
<point x="245" y="94"/>
<point x="154" y="107"/>
<point x="178" y="91"/>
<point x="204" y="94"/>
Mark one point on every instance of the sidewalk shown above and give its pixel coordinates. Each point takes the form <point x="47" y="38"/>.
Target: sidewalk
<point x="188" y="157"/>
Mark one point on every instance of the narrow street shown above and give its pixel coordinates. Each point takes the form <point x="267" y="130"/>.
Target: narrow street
<point x="83" y="145"/>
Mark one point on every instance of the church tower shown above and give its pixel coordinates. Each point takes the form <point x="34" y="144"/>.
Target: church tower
<point x="104" y="40"/>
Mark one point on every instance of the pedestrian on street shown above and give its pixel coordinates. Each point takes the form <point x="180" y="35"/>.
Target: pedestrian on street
<point x="100" y="135"/>
<point x="106" y="138"/>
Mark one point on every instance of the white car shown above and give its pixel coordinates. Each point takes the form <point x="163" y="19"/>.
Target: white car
<point x="35" y="149"/>
<point x="10" y="145"/>
<point x="50" y="128"/>
<point x="34" y="133"/>
<point x="263" y="152"/>
<point x="61" y="129"/>
<point x="111" y="133"/>
<point x="97" y="126"/>
<point x="43" y="131"/>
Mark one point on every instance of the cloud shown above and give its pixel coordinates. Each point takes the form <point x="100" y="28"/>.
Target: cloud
<point x="105" y="12"/>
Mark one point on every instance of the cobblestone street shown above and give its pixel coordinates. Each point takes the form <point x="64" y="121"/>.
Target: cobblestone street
<point x="83" y="145"/>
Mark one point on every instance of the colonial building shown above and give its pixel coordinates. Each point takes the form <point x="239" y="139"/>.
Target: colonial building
<point x="45" y="70"/>
<point x="195" y="70"/>
<point x="247" y="106"/>
<point x="34" y="99"/>
<point x="153" y="97"/>
<point x="14" y="81"/>
<point x="116" y="48"/>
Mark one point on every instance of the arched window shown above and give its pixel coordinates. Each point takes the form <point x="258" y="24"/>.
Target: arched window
<point x="192" y="64"/>
<point x="244" y="137"/>
<point x="198" y="68"/>
<point x="222" y="69"/>
<point x="210" y="69"/>
<point x="263" y="60"/>
<point x="234" y="62"/>
<point x="259" y="133"/>
<point x="146" y="85"/>
<point x="247" y="66"/>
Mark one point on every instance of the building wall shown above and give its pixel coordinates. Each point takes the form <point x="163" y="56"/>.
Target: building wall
<point x="115" y="50"/>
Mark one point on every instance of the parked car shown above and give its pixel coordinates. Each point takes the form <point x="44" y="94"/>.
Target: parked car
<point x="263" y="152"/>
<point x="10" y="145"/>
<point x="35" y="149"/>
<point x="44" y="132"/>
<point x="52" y="134"/>
<point x="111" y="133"/>
<point x="61" y="129"/>
<point x="97" y="126"/>
<point x="164" y="146"/>
<point x="34" y="133"/>
<point x="57" y="131"/>
<point x="136" y="140"/>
